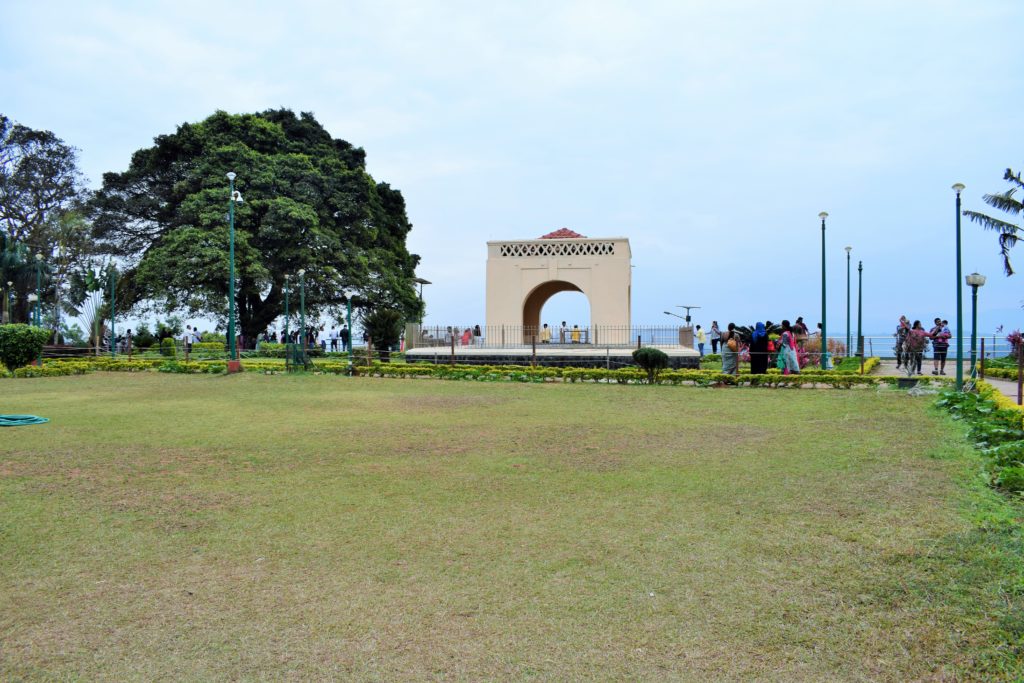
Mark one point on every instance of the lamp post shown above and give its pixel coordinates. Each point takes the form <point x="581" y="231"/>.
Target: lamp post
<point x="56" y="291"/>
<point x="974" y="280"/>
<point x="848" y="347"/>
<point x="287" y="283"/>
<point x="860" y="301"/>
<point x="10" y="301"/>
<point x="32" y="299"/>
<point x="824" y="327"/>
<point x="348" y="322"/>
<point x="959" y="188"/>
<point x="302" y="307"/>
<point x="113" y="291"/>
<point x="420" y="281"/>
<point x="235" y="197"/>
<point x="39" y="286"/>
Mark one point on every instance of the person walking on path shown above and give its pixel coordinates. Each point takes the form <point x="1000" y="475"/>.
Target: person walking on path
<point x="701" y="338"/>
<point x="716" y="336"/>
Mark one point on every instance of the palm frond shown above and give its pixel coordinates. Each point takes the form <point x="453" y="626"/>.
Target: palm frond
<point x="990" y="223"/>
<point x="1014" y="178"/>
<point x="1004" y="202"/>
<point x="1007" y="240"/>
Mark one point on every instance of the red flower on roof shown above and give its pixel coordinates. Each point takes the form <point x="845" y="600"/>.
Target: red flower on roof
<point x="562" y="234"/>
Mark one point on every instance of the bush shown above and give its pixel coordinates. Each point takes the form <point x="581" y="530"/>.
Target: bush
<point x="21" y="344"/>
<point x="712" y="358"/>
<point x="167" y="347"/>
<point x="384" y="326"/>
<point x="652" y="360"/>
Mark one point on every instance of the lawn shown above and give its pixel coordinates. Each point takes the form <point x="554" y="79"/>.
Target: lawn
<point x="305" y="527"/>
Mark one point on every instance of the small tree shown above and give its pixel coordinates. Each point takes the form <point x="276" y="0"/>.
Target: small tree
<point x="652" y="360"/>
<point x="21" y="344"/>
<point x="384" y="327"/>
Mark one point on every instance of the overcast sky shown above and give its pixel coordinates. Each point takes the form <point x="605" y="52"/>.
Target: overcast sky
<point x="711" y="134"/>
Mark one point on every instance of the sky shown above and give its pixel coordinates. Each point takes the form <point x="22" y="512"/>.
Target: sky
<point x="711" y="134"/>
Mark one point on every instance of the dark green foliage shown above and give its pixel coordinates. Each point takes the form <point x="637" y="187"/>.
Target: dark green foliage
<point x="172" y="327"/>
<point x="1011" y="478"/>
<point x="996" y="432"/>
<point x="21" y="344"/>
<point x="142" y="338"/>
<point x="167" y="347"/>
<point x="308" y="204"/>
<point x="384" y="327"/>
<point x="652" y="360"/>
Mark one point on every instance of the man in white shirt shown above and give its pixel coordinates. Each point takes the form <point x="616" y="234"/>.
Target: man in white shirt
<point x="334" y="339"/>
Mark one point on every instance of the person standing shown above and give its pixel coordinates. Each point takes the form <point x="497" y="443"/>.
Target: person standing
<point x="478" y="336"/>
<point x="186" y="339"/>
<point x="334" y="339"/>
<point x="467" y="337"/>
<point x="917" y="343"/>
<point x="545" y="334"/>
<point x="563" y="331"/>
<point x="701" y="338"/>
<point x="575" y="334"/>
<point x="902" y="332"/>
<point x="730" y="351"/>
<point x="788" y="358"/>
<point x="800" y="331"/>
<point x="759" y="350"/>
<point x="940" y="347"/>
<point x="716" y="336"/>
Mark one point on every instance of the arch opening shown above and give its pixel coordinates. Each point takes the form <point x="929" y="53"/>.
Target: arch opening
<point x="557" y="298"/>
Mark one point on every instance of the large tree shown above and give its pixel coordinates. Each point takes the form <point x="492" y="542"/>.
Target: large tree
<point x="1004" y="201"/>
<point x="39" y="179"/>
<point x="308" y="204"/>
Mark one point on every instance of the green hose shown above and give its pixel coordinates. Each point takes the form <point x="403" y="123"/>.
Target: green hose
<point x="18" y="420"/>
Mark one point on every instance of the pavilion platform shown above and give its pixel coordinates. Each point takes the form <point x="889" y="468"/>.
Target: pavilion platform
<point x="550" y="355"/>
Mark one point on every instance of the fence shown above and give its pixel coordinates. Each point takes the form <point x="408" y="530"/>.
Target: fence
<point x="523" y="336"/>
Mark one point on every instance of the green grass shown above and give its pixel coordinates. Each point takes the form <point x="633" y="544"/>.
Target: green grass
<point x="254" y="527"/>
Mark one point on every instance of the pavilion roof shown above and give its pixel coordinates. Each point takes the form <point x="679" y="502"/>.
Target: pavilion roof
<point x="562" y="234"/>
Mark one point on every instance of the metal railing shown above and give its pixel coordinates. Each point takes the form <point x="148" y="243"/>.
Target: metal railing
<point x="523" y="336"/>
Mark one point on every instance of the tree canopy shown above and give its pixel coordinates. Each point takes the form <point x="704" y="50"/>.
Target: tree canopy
<point x="309" y="203"/>
<point x="39" y="179"/>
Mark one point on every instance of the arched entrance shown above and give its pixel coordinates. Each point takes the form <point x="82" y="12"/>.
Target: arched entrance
<point x="523" y="274"/>
<point x="534" y="304"/>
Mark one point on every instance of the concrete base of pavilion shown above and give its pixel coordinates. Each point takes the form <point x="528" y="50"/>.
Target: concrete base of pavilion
<point x="554" y="355"/>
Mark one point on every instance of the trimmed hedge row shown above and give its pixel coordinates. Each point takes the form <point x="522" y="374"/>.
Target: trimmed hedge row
<point x="1001" y="373"/>
<point x="483" y="373"/>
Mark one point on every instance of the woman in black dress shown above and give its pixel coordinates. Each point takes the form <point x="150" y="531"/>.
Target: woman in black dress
<point x="759" y="350"/>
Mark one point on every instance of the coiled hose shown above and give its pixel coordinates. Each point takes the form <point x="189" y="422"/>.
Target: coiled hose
<point x="19" y="420"/>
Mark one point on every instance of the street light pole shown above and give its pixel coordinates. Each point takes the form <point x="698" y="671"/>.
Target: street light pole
<point x="302" y="308"/>
<point x="287" y="283"/>
<point x="824" y="326"/>
<point x="231" y="268"/>
<point x="10" y="302"/>
<point x="849" y="348"/>
<point x="113" y="291"/>
<point x="860" y="301"/>
<point x="958" y="188"/>
<point x="39" y="286"/>
<point x="974" y="280"/>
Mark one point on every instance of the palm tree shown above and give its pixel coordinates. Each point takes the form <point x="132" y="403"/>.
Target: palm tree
<point x="1004" y="202"/>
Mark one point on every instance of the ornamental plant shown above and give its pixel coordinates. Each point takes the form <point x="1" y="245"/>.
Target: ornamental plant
<point x="21" y="344"/>
<point x="652" y="360"/>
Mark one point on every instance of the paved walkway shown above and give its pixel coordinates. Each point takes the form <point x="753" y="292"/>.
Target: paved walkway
<point x="888" y="367"/>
